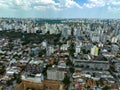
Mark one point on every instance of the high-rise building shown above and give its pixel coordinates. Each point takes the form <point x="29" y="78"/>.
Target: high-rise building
<point x="64" y="32"/>
<point x="94" y="51"/>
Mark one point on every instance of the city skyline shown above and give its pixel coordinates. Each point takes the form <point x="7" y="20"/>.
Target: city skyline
<point x="60" y="8"/>
<point x="62" y="54"/>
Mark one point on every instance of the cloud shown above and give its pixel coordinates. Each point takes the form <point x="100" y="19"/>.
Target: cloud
<point x="101" y="3"/>
<point x="114" y="9"/>
<point x="116" y="3"/>
<point x="95" y="3"/>
<point x="110" y="5"/>
<point x="68" y="4"/>
<point x="3" y="4"/>
<point x="15" y="4"/>
<point x="38" y="4"/>
<point x="57" y="5"/>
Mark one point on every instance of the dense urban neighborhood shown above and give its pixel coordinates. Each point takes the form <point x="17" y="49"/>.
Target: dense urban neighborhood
<point x="59" y="54"/>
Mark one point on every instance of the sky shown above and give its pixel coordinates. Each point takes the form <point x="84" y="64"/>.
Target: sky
<point x="60" y="8"/>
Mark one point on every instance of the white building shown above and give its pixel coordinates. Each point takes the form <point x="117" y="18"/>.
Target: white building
<point x="50" y="50"/>
<point x="114" y="39"/>
<point x="44" y="44"/>
<point x="64" y="47"/>
<point x="77" y="49"/>
<point x="55" y="74"/>
<point x="95" y="38"/>
<point x="52" y="31"/>
<point x="37" y="79"/>
<point x="94" y="51"/>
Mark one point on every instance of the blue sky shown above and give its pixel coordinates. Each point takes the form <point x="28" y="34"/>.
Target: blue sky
<point x="60" y="8"/>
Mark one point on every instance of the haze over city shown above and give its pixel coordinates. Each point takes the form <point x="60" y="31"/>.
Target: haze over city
<point x="60" y="8"/>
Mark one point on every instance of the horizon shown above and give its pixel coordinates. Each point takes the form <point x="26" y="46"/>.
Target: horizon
<point x="58" y="18"/>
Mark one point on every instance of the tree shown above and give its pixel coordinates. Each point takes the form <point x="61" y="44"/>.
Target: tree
<point x="82" y="66"/>
<point x="66" y="81"/>
<point x="91" y="88"/>
<point x="88" y="87"/>
<point x="84" y="51"/>
<point x="106" y="87"/>
<point x="87" y="66"/>
<point x="94" y="75"/>
<point x="59" y="44"/>
<point x="104" y="58"/>
<point x="101" y="81"/>
<point x="9" y="82"/>
<point x="30" y="88"/>
<point x="45" y="69"/>
<point x="71" y="49"/>
<point x="72" y="69"/>
<point x="10" y="45"/>
<point x="69" y="62"/>
<point x="109" y="42"/>
<point x="18" y="78"/>
<point x="2" y="71"/>
<point x="15" y="76"/>
<point x="96" y="68"/>
<point x="97" y="83"/>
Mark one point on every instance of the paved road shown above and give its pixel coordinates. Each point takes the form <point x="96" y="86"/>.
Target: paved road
<point x="71" y="79"/>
